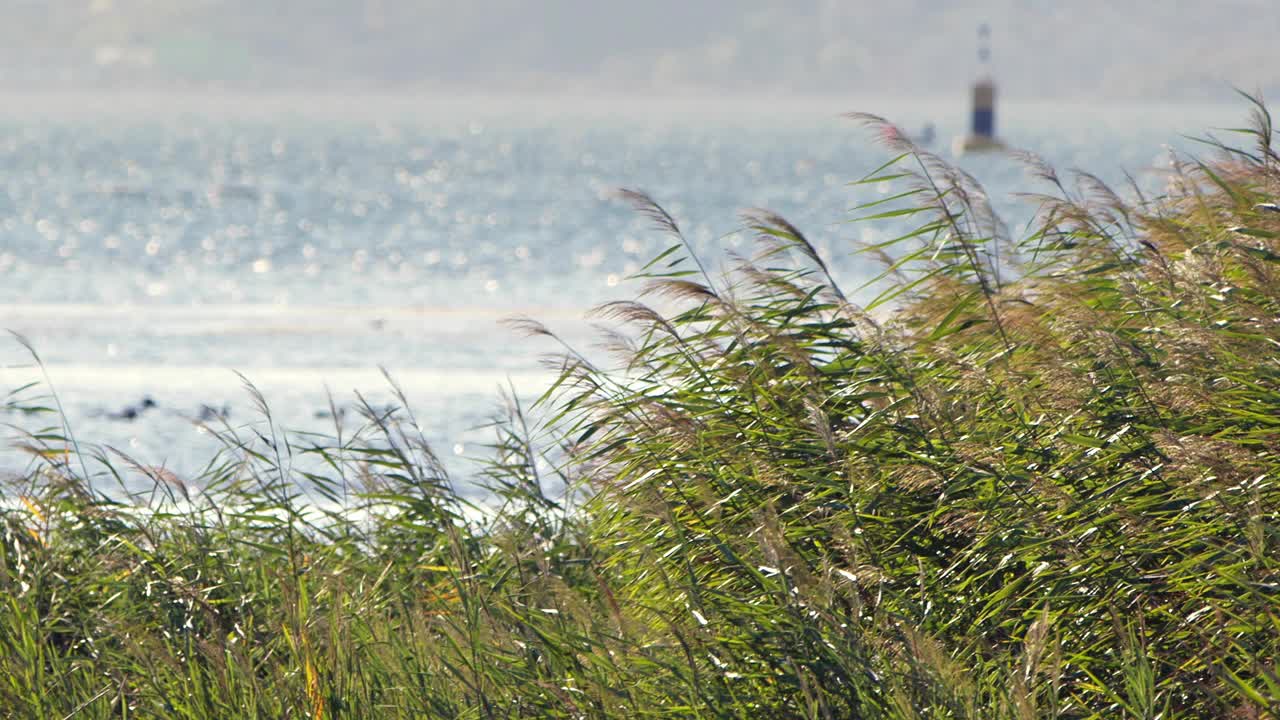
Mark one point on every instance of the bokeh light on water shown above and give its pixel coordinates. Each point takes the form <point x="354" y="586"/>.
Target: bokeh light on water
<point x="152" y="256"/>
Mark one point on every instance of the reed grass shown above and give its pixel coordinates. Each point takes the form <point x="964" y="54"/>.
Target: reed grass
<point x="1035" y="477"/>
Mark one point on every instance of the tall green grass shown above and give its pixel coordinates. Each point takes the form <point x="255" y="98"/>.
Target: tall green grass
<point x="1036" y="477"/>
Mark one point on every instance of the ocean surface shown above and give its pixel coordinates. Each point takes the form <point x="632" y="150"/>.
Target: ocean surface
<point x="157" y="250"/>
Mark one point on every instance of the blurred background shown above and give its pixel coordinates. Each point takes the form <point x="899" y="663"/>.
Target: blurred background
<point x="305" y="191"/>
<point x="1086" y="50"/>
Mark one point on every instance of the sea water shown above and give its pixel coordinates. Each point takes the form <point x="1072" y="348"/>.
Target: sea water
<point x="172" y="254"/>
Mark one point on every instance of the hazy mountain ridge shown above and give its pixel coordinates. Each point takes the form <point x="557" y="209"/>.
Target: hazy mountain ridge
<point x="1174" y="50"/>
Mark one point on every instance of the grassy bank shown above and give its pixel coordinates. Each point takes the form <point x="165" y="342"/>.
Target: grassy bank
<point x="1043" y="485"/>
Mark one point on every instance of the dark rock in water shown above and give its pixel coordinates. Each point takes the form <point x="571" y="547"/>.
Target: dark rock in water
<point x="209" y="412"/>
<point x="927" y="134"/>
<point x="133" y="412"/>
<point x="129" y="413"/>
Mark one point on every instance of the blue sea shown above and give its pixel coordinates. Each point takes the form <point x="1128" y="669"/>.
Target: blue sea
<point x="161" y="248"/>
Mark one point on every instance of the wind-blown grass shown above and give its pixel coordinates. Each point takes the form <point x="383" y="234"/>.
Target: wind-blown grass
<point x="1036" y="477"/>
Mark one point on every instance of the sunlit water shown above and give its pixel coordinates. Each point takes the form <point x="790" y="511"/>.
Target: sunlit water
<point x="152" y="256"/>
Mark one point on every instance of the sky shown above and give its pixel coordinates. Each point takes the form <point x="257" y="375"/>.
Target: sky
<point x="1081" y="50"/>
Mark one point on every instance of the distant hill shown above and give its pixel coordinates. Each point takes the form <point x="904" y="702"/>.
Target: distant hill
<point x="1085" y="49"/>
